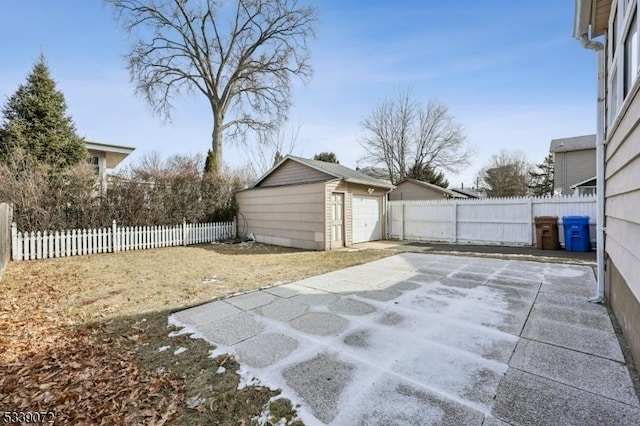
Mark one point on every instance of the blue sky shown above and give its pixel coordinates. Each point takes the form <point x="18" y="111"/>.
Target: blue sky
<point x="509" y="71"/>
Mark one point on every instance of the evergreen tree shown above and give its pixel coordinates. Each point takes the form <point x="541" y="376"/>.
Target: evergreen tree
<point x="327" y="157"/>
<point x="542" y="177"/>
<point x="429" y="175"/>
<point x="209" y="162"/>
<point x="35" y="121"/>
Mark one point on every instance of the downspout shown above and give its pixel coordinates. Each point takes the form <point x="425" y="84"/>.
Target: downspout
<point x="600" y="163"/>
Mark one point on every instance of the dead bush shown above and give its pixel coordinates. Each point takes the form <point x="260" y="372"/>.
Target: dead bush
<point x="150" y="192"/>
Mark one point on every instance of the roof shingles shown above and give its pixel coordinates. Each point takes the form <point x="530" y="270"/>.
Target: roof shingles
<point x="336" y="170"/>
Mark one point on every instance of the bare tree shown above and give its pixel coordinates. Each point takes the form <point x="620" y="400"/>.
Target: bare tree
<point x="508" y="174"/>
<point x="243" y="66"/>
<point x="271" y="148"/>
<point x="402" y="135"/>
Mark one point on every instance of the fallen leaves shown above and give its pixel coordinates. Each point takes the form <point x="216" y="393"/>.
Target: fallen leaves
<point x="51" y="361"/>
<point x="91" y="379"/>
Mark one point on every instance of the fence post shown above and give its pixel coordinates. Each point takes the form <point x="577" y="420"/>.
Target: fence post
<point x="114" y="238"/>
<point x="184" y="232"/>
<point x="455" y="221"/>
<point x="14" y="241"/>
<point x="531" y="233"/>
<point x="402" y="220"/>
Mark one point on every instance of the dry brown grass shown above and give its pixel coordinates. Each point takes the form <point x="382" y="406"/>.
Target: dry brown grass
<point x="135" y="282"/>
<point x="50" y="309"/>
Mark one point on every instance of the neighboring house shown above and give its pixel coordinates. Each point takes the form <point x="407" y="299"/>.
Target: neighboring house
<point x="105" y="156"/>
<point x="575" y="163"/>
<point x="618" y="145"/>
<point x="586" y="187"/>
<point x="468" y="193"/>
<point x="313" y="205"/>
<point x="413" y="189"/>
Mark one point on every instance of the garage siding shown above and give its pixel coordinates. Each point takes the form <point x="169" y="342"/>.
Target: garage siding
<point x="290" y="173"/>
<point x="290" y="216"/>
<point x="408" y="190"/>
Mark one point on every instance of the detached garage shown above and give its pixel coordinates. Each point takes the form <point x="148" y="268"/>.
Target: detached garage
<point x="313" y="205"/>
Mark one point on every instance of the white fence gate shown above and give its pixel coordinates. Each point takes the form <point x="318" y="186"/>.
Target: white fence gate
<point x="499" y="221"/>
<point x="76" y="242"/>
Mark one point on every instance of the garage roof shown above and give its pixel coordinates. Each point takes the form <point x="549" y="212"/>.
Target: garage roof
<point x="437" y="188"/>
<point x="332" y="169"/>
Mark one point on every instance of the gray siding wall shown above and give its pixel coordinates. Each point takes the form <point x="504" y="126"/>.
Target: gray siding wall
<point x="291" y="216"/>
<point x="412" y="191"/>
<point x="290" y="173"/>
<point x="622" y="196"/>
<point x="573" y="167"/>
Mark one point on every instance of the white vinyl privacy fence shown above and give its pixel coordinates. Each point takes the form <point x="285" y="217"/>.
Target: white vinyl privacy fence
<point x="500" y="221"/>
<point x="76" y="242"/>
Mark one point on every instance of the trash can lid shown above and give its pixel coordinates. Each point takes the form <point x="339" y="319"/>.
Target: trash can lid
<point x="546" y="218"/>
<point x="575" y="220"/>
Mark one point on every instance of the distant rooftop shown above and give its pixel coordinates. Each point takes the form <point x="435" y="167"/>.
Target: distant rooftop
<point x="575" y="143"/>
<point x="114" y="154"/>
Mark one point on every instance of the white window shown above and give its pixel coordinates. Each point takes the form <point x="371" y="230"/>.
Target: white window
<point x="631" y="55"/>
<point x="624" y="54"/>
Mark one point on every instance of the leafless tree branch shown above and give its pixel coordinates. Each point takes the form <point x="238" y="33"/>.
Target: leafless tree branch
<point x="402" y="135"/>
<point x="243" y="66"/>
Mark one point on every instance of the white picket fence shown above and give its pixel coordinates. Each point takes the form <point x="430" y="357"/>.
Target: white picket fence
<point x="76" y="242"/>
<point x="499" y="221"/>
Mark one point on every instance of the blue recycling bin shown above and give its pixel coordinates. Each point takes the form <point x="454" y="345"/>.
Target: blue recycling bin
<point x="576" y="233"/>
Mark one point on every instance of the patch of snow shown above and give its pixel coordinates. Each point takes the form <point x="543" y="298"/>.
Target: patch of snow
<point x="179" y="350"/>
<point x="221" y="370"/>
<point x="565" y="272"/>
<point x="210" y="280"/>
<point x="194" y="401"/>
<point x="163" y="348"/>
<point x="439" y="340"/>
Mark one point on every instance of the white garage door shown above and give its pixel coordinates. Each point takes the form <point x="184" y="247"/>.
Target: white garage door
<point x="366" y="219"/>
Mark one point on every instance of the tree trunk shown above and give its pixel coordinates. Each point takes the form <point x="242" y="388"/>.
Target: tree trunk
<point x="216" y="145"/>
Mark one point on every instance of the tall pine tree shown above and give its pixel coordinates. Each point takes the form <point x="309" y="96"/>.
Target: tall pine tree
<point x="35" y="120"/>
<point x="542" y="177"/>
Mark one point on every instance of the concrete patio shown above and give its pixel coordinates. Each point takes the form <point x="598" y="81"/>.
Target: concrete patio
<point x="430" y="339"/>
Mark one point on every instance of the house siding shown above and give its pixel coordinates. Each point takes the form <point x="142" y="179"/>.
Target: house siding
<point x="290" y="216"/>
<point x="291" y="172"/>
<point x="573" y="167"/>
<point x="622" y="240"/>
<point x="408" y="190"/>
